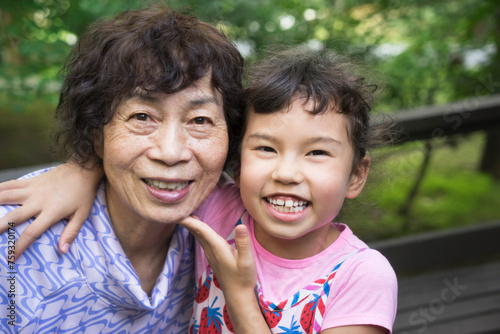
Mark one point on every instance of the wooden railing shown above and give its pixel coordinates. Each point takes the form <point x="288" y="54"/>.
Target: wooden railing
<point x="461" y="117"/>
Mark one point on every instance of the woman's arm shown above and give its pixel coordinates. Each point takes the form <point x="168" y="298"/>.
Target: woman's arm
<point x="66" y="191"/>
<point x="236" y="272"/>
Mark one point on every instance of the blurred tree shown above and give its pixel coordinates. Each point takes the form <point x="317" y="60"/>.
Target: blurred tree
<point x="429" y="51"/>
<point x="36" y="36"/>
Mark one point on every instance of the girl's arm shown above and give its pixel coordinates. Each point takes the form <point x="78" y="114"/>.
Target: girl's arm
<point x="236" y="272"/>
<point x="66" y="191"/>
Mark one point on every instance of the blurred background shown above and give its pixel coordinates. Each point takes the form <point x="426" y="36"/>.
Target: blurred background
<point x="421" y="53"/>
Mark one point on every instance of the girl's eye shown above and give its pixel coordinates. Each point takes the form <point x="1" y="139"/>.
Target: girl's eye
<point x="265" y="149"/>
<point x="317" y="152"/>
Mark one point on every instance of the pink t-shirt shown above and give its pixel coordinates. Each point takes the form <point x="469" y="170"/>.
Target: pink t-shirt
<point x="364" y="290"/>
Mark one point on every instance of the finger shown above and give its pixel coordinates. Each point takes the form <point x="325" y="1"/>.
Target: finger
<point x="14" y="184"/>
<point x="12" y="196"/>
<point x="244" y="246"/>
<point x="71" y="231"/>
<point x="31" y="233"/>
<point x="16" y="216"/>
<point x="198" y="228"/>
<point x="206" y="236"/>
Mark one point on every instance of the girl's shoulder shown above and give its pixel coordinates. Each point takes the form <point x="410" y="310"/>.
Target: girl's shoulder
<point x="366" y="260"/>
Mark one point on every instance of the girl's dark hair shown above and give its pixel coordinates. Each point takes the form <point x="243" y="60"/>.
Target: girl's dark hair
<point x="324" y="77"/>
<point x="154" y="49"/>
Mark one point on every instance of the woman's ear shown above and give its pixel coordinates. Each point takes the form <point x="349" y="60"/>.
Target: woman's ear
<point x="358" y="178"/>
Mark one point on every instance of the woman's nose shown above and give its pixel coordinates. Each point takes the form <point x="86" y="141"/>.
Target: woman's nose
<point x="171" y="145"/>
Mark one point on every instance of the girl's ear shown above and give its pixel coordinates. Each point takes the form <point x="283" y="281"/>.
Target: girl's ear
<point x="358" y="178"/>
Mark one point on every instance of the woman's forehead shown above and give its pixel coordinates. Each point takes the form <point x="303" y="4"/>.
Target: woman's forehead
<point x="201" y="90"/>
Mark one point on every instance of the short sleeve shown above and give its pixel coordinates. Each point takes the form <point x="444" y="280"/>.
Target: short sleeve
<point x="221" y="211"/>
<point x="364" y="292"/>
<point x="223" y="206"/>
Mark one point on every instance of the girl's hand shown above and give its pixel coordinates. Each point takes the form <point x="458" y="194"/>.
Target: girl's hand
<point x="234" y="268"/>
<point x="66" y="191"/>
<point x="236" y="272"/>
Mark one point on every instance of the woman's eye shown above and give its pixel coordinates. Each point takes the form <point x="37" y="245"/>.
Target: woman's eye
<point x="317" y="152"/>
<point x="200" y="120"/>
<point x="141" y="117"/>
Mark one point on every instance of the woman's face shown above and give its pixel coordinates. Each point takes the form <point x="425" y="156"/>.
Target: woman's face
<point x="163" y="154"/>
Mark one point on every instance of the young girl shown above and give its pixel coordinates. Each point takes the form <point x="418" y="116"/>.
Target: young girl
<point x="302" y="153"/>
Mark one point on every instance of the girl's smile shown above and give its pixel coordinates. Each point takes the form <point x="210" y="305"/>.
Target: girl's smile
<point x="286" y="207"/>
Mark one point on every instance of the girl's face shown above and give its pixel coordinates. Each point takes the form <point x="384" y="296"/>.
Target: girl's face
<point x="296" y="170"/>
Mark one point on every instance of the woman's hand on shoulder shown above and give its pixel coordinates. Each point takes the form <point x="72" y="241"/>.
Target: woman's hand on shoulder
<point x="66" y="191"/>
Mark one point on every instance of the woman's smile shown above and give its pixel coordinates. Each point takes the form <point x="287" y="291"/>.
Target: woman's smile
<point x="168" y="192"/>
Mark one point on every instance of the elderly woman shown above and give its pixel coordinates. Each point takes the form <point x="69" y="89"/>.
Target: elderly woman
<point x="154" y="96"/>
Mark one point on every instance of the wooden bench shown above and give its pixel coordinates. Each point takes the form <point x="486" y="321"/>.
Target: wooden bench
<point x="464" y="300"/>
<point x="449" y="281"/>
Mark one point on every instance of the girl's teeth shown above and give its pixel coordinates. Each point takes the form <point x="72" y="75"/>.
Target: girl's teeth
<point x="288" y="206"/>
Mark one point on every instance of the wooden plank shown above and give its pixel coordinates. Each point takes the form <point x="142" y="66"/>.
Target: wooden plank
<point x="441" y="315"/>
<point x="437" y="311"/>
<point x="432" y="280"/>
<point x="451" y="289"/>
<point x="441" y="249"/>
<point x="481" y="324"/>
<point x="465" y="282"/>
<point x="459" y="300"/>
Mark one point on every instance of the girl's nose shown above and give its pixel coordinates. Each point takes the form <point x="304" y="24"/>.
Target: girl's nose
<point x="288" y="171"/>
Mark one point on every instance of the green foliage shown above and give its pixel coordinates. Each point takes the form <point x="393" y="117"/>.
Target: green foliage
<point x="422" y="47"/>
<point x="37" y="35"/>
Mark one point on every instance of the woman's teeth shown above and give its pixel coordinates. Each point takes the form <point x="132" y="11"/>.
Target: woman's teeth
<point x="288" y="205"/>
<point x="171" y="186"/>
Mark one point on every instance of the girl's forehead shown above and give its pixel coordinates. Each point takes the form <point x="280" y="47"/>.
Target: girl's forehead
<point x="297" y="117"/>
<point x="298" y="108"/>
